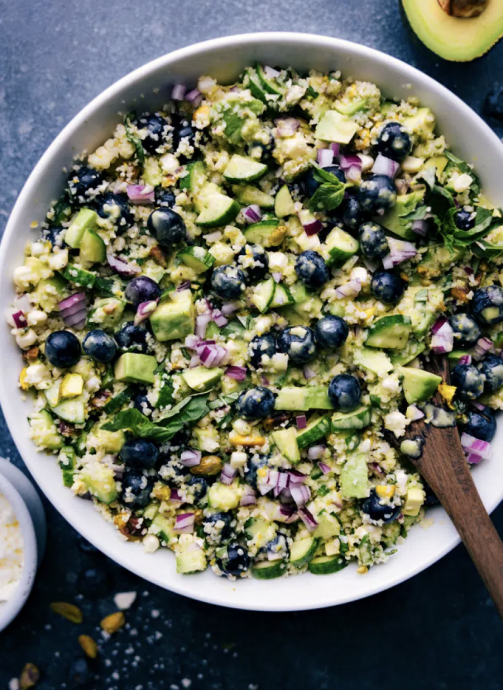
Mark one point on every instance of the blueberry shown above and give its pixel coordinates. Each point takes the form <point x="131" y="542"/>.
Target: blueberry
<point x="377" y="194"/>
<point x="256" y="403"/>
<point x="140" y="453"/>
<point x="254" y="272"/>
<point x="142" y="289"/>
<point x="351" y="213"/>
<point x="373" y="242"/>
<point x="491" y="369"/>
<point x="132" y="338"/>
<point x="167" y="226"/>
<point x="331" y="331"/>
<point x="79" y="673"/>
<point x="468" y="380"/>
<point x="53" y="235"/>
<point x="136" y="488"/>
<point x="387" y="287"/>
<point x="466" y="329"/>
<point x="261" y="345"/>
<point x="115" y="207"/>
<point x="394" y="141"/>
<point x="93" y="583"/>
<point x="156" y="131"/>
<point x="377" y="510"/>
<point x="200" y="487"/>
<point x="481" y="424"/>
<point x="228" y="282"/>
<point x="142" y="403"/>
<point x="312" y="269"/>
<point x="298" y="343"/>
<point x="217" y="527"/>
<point x="464" y="219"/>
<point x="62" y="349"/>
<point x="164" y="197"/>
<point x="487" y="305"/>
<point x="236" y="561"/>
<point x="252" y="467"/>
<point x="99" y="346"/>
<point x="311" y="185"/>
<point x="344" y="392"/>
<point x="83" y="181"/>
<point x="183" y="131"/>
<point x="493" y="105"/>
<point x="277" y="548"/>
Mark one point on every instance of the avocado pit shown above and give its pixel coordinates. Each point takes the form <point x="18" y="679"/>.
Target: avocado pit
<point x="465" y="9"/>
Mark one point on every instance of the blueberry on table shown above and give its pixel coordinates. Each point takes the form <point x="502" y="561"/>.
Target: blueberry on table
<point x="261" y="345"/>
<point x="228" y="282"/>
<point x="331" y="331"/>
<point x="373" y="242"/>
<point x="466" y="330"/>
<point x="491" y="369"/>
<point x="468" y="381"/>
<point x="377" y="194"/>
<point x="464" y="219"/>
<point x="311" y="184"/>
<point x="254" y="262"/>
<point x="236" y="562"/>
<point x="200" y="487"/>
<point x="394" y="141"/>
<point x="99" y="346"/>
<point x="255" y="403"/>
<point x="79" y="673"/>
<point x="351" y="213"/>
<point x="156" y="131"/>
<point x="387" y="287"/>
<point x="136" y="489"/>
<point x="62" y="349"/>
<point x="379" y="511"/>
<point x="93" y="583"/>
<point x="81" y="182"/>
<point x="115" y="207"/>
<point x="217" y="527"/>
<point x="142" y="289"/>
<point x="139" y="453"/>
<point x="298" y="343"/>
<point x="164" y="197"/>
<point x="344" y="392"/>
<point x="312" y="269"/>
<point x="167" y="226"/>
<point x="480" y="423"/>
<point x="132" y="338"/>
<point x="487" y="305"/>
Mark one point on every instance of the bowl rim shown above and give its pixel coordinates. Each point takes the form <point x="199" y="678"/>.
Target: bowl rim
<point x="134" y="78"/>
<point x="10" y="608"/>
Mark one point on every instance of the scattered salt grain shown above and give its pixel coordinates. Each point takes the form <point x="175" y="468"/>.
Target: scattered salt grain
<point x="124" y="600"/>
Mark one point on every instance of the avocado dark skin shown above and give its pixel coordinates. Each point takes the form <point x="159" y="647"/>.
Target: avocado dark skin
<point x="464" y="9"/>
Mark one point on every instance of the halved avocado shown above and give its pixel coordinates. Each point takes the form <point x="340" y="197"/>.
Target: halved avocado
<point x="459" y="36"/>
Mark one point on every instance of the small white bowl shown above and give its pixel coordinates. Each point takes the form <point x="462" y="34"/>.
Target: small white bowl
<point x="28" y="509"/>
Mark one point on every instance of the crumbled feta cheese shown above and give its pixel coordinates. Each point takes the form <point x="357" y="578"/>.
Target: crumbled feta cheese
<point x="395" y="422"/>
<point x="11" y="550"/>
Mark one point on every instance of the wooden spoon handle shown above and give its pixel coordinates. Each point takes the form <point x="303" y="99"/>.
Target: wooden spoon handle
<point x="452" y="482"/>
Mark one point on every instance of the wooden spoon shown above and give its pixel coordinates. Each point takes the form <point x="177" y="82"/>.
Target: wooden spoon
<point x="443" y="465"/>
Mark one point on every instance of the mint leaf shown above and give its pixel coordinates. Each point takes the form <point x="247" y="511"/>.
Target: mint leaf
<point x="464" y="168"/>
<point x="321" y="175"/>
<point x="328" y="197"/>
<point x="165" y="393"/>
<point x="455" y="237"/>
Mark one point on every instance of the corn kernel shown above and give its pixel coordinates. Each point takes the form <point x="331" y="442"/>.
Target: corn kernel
<point x="22" y="380"/>
<point x="385" y="491"/>
<point x="362" y="570"/>
<point x="238" y="440"/>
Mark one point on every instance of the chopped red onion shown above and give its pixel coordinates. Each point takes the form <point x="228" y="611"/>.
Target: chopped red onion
<point x="229" y="308"/>
<point x="191" y="458"/>
<point x="286" y="126"/>
<point x="271" y="72"/>
<point x="176" y="496"/>
<point x="324" y="467"/>
<point x="316" y="452"/>
<point x="479" y="406"/>
<point x="145" y="311"/>
<point x="301" y="421"/>
<point x="183" y="286"/>
<point x="252" y="213"/>
<point x="418" y="414"/>
<point x="468" y="270"/>
<point x="237" y="373"/>
<point x="202" y="322"/>
<point x="141" y="194"/>
<point x="211" y="355"/>
<point x="191" y="341"/>
<point x="285" y="514"/>
<point x="473" y="459"/>
<point x="249" y="497"/>
<point x="399" y="251"/>
<point x="308" y="372"/>
<point x="213" y="236"/>
<point x="325" y="157"/>
<point x="194" y="362"/>
<point x="475" y="446"/>
<point x="308" y="519"/>
<point x="219" y="318"/>
<point x="420" y="227"/>
<point x="19" y="319"/>
<point x="350" y="289"/>
<point x="443" y="337"/>
<point x="194" y="96"/>
<point x="377" y="469"/>
<point x="335" y="148"/>
<point x="77" y="320"/>
<point x="347" y="162"/>
<point x="465" y="359"/>
<point x="178" y="92"/>
<point x="300" y="494"/>
<point x="184" y="523"/>
<point x="296" y="477"/>
<point x="385" y="166"/>
<point x="438" y="324"/>
<point x="264" y="380"/>
<point x="122" y="267"/>
<point x="482" y="347"/>
<point x="75" y="300"/>
<point x="228" y="474"/>
<point x="311" y="225"/>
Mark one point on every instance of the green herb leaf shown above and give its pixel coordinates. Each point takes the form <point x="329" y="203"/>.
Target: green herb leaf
<point x="311" y="92"/>
<point x="455" y="237"/>
<point x="321" y="175"/>
<point x="465" y="168"/>
<point x="328" y="197"/>
<point x="165" y="393"/>
<point x="133" y="139"/>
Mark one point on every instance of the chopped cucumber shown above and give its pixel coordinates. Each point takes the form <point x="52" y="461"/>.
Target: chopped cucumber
<point x="79" y="276"/>
<point x="269" y="84"/>
<point x="358" y="419"/>
<point x="72" y="411"/>
<point x="195" y="178"/>
<point x="390" y="332"/>
<point x="283" y="203"/>
<point x="263" y="295"/>
<point x="100" y="481"/>
<point x="302" y="399"/>
<point x="303" y="551"/>
<point x="452" y="358"/>
<point x="242" y="169"/>
<point x="286" y="442"/>
<point x="197" y="258"/>
<point x="341" y="246"/>
<point x="373" y="360"/>
<point x="188" y="562"/>
<point x="267" y="570"/>
<point x="67" y="464"/>
<point x="412" y="350"/>
<point x="317" y="429"/>
<point x="282" y="297"/>
<point x="218" y="210"/>
<point x="255" y="86"/>
<point x="260" y="233"/>
<point x="115" y="404"/>
<point x="326" y="565"/>
<point x="248" y="195"/>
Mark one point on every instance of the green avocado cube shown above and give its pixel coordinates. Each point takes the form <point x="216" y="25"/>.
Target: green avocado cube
<point x="134" y="368"/>
<point x="174" y="320"/>
<point x="84" y="220"/>
<point x="334" y="126"/>
<point x="354" y="476"/>
<point x="201" y="378"/>
<point x="100" y="481"/>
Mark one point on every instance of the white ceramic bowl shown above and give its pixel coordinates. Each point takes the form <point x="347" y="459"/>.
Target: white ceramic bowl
<point x="224" y="58"/>
<point x="29" y="512"/>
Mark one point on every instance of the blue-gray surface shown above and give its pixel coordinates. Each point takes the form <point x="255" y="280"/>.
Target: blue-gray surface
<point x="438" y="630"/>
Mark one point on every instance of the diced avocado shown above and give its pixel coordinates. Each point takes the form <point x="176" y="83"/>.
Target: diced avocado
<point x="152" y="173"/>
<point x="248" y="195"/>
<point x="412" y="350"/>
<point x="283" y="203"/>
<point x="72" y="410"/>
<point x="44" y="432"/>
<point x="419" y="385"/>
<point x="50" y="291"/>
<point x="437" y="162"/>
<point x="286" y="442"/>
<point x="341" y="246"/>
<point x="318" y="428"/>
<point x="354" y="476"/>
<point x="109" y="441"/>
<point x="437" y="259"/>
<point x="373" y="360"/>
<point x="195" y="178"/>
<point x="106" y="313"/>
<point x="188" y="562"/>
<point x="422" y="124"/>
<point x="328" y="526"/>
<point x="92" y="248"/>
<point x="174" y="320"/>
<point x="71" y="386"/>
<point x="79" y="276"/>
<point x="243" y="169"/>
<point x="390" y="332"/>
<point x="201" y="378"/>
<point x="223" y="496"/>
<point x="414" y="501"/>
<point x="197" y="258"/>
<point x="218" y="210"/>
<point x="100" y="481"/>
<point x="293" y="318"/>
<point x="162" y="528"/>
<point x="358" y="419"/>
<point x="327" y="565"/>
<point x="352" y="108"/>
<point x="67" y="464"/>
<point x="336" y="127"/>
<point x="132" y="367"/>
<point x="394" y="221"/>
<point x="84" y="220"/>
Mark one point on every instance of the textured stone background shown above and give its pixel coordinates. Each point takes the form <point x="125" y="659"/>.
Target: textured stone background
<point x="438" y="630"/>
